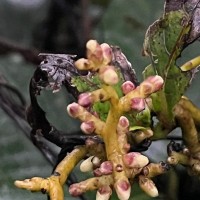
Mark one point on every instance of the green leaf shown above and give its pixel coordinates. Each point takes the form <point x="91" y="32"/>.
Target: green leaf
<point x="102" y="108"/>
<point x="86" y="83"/>
<point x="136" y="128"/>
<point x="164" y="43"/>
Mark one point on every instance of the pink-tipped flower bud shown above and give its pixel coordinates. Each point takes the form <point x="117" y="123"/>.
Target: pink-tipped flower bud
<point x="87" y="165"/>
<point x="148" y="186"/>
<point x="157" y="81"/>
<point x="135" y="159"/>
<point x="104" y="193"/>
<point x="105" y="168"/>
<point x="82" y="64"/>
<point x="123" y="122"/>
<point x="84" y="99"/>
<point x="97" y="172"/>
<point x="122" y="129"/>
<point x="152" y="84"/>
<point x="108" y="75"/>
<point x="88" y="127"/>
<point x="92" y="45"/>
<point x="75" y="190"/>
<point x="147" y="88"/>
<point x="123" y="189"/>
<point x="127" y="87"/>
<point x="138" y="104"/>
<point x="107" y="53"/>
<point x="73" y="109"/>
<point x="94" y="51"/>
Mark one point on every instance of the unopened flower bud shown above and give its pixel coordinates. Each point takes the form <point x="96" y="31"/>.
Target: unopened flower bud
<point x="75" y="190"/>
<point x="152" y="84"/>
<point x="72" y="109"/>
<point x="94" y="51"/>
<point x="127" y="87"/>
<point x="104" y="193"/>
<point x="87" y="165"/>
<point x="138" y="104"/>
<point x="105" y="168"/>
<point x="123" y="189"/>
<point x="148" y="186"/>
<point x="123" y="122"/>
<point x="107" y="53"/>
<point x="108" y="75"/>
<point x="146" y="88"/>
<point x="87" y="127"/>
<point x="135" y="159"/>
<point x="96" y="161"/>
<point x="122" y="129"/>
<point x="93" y="46"/>
<point x="82" y="64"/>
<point x="97" y="172"/>
<point x="84" y="99"/>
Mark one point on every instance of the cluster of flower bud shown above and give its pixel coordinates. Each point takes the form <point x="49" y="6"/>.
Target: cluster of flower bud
<point x="111" y="162"/>
<point x="137" y="165"/>
<point x="98" y="59"/>
<point x="120" y="165"/>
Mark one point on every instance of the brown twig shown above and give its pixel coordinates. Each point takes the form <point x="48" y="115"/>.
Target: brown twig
<point x="29" y="54"/>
